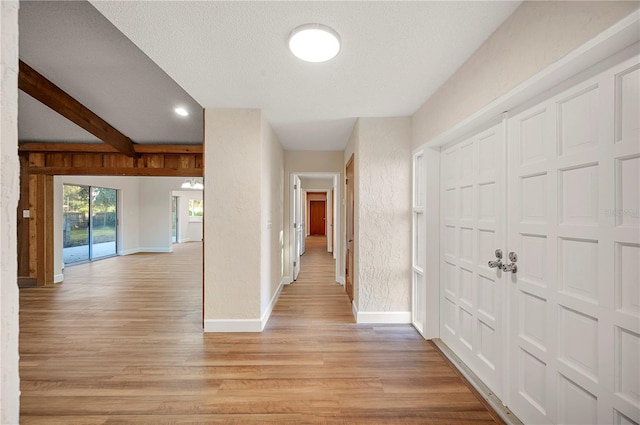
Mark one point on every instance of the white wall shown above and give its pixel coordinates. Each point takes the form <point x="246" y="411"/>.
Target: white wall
<point x="272" y="234"/>
<point x="243" y="216"/>
<point x="232" y="216"/>
<point x="9" y="193"/>
<point x="383" y="210"/>
<point x="536" y="35"/>
<point x="154" y="212"/>
<point x="188" y="230"/>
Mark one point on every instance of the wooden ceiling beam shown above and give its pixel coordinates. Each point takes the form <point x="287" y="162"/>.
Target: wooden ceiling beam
<point x="103" y="148"/>
<point x="37" y="86"/>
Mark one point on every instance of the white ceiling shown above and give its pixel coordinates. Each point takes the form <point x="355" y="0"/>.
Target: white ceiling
<point x="79" y="50"/>
<point x="234" y="55"/>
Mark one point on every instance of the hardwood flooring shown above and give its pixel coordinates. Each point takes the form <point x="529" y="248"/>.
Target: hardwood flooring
<point x="120" y="342"/>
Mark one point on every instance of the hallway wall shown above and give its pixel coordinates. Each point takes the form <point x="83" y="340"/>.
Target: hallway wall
<point x="382" y="148"/>
<point x="536" y="35"/>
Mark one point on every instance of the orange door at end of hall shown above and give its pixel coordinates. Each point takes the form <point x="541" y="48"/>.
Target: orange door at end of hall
<point x="317" y="217"/>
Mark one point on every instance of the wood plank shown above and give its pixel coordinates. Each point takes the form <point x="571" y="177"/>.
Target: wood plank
<point x="118" y="171"/>
<point x="22" y="222"/>
<point x="122" y="343"/>
<point x="37" y="86"/>
<point x="33" y="227"/>
<point x="103" y="148"/>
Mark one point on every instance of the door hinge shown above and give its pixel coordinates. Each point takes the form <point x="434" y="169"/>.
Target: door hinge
<point x="295" y="186"/>
<point x="295" y="264"/>
<point x="295" y="226"/>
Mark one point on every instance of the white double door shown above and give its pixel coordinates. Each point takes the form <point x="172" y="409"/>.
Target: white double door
<point x="558" y="184"/>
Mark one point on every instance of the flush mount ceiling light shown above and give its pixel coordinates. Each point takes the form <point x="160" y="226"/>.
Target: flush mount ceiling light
<point x="181" y="111"/>
<point x="314" y="43"/>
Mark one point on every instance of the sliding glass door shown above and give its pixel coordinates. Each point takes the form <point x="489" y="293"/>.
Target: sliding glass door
<point x="89" y="223"/>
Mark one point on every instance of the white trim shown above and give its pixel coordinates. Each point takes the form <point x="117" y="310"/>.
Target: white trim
<point x="399" y="317"/>
<point x="337" y="225"/>
<point x="155" y="249"/>
<point x="502" y="411"/>
<point x="341" y="280"/>
<point x="232" y="325"/>
<point x="354" y="311"/>
<point x="58" y="278"/>
<point x="286" y="280"/>
<point x="267" y="313"/>
<point x="184" y="240"/>
<point x="246" y="325"/>
<point x="129" y="251"/>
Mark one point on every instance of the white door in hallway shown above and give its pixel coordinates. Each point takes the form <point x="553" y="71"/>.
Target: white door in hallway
<point x="297" y="226"/>
<point x="472" y="228"/>
<point x="574" y="320"/>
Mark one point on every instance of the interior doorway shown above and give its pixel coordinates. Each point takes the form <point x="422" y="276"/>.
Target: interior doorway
<point x="350" y="201"/>
<point x="302" y="185"/>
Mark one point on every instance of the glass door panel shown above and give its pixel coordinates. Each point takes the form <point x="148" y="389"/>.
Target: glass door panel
<point x="174" y="219"/>
<point x="103" y="222"/>
<point x="75" y="219"/>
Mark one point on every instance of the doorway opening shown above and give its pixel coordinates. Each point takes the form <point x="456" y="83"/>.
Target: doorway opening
<point x="315" y="210"/>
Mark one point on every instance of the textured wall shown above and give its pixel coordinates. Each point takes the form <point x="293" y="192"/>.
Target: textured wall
<point x="536" y="35"/>
<point x="272" y="215"/>
<point x="9" y="192"/>
<point x="232" y="217"/>
<point x="383" y="208"/>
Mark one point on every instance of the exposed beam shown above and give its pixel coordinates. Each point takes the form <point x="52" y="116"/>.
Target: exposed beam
<point x="43" y="90"/>
<point x="97" y="171"/>
<point x="102" y="148"/>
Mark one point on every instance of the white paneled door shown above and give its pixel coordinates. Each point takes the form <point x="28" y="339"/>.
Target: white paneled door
<point x="557" y="184"/>
<point x="472" y="228"/>
<point x="574" y="173"/>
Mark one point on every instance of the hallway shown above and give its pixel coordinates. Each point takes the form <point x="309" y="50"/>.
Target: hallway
<point x="120" y="342"/>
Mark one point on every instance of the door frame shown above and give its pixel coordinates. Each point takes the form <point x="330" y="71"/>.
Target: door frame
<point x="620" y="40"/>
<point x="337" y="211"/>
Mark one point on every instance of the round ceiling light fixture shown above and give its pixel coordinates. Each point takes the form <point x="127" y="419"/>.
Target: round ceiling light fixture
<point x="181" y="111"/>
<point x="314" y="43"/>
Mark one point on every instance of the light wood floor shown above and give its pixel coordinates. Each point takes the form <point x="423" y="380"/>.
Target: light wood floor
<point x="120" y="342"/>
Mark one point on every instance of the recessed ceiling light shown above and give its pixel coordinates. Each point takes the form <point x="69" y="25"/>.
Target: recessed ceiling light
<point x="314" y="42"/>
<point x="181" y="111"/>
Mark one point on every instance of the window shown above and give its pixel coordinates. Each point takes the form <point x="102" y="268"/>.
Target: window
<point x="195" y="209"/>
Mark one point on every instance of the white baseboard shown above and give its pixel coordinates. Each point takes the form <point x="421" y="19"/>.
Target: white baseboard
<point x="232" y="325"/>
<point x="341" y="280"/>
<point x="169" y="249"/>
<point x="267" y="313"/>
<point x="129" y="251"/>
<point x="398" y="317"/>
<point x="58" y="278"/>
<point x="354" y="311"/>
<point x="287" y="280"/>
<point x="246" y="325"/>
<point x="184" y="240"/>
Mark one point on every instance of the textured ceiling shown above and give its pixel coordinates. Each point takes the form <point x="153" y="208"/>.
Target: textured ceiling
<point x="80" y="51"/>
<point x="234" y="55"/>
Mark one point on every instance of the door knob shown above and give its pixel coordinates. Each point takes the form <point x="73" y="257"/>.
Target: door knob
<point x="513" y="257"/>
<point x="496" y="264"/>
